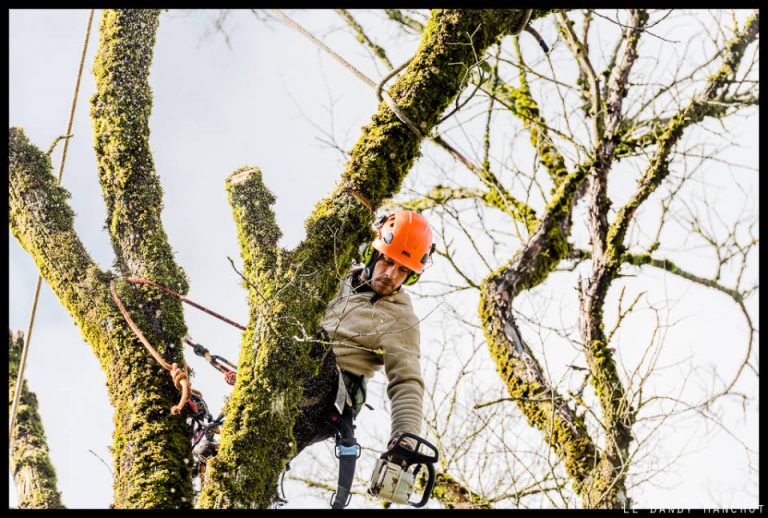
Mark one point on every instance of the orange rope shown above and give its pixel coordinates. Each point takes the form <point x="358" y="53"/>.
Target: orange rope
<point x="180" y="377"/>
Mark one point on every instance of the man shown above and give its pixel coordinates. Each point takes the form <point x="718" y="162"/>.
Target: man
<point x="371" y="325"/>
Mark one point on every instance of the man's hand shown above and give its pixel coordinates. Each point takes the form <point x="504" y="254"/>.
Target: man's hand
<point x="398" y="451"/>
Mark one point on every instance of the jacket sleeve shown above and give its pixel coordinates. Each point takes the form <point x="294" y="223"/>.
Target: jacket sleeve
<point x="406" y="387"/>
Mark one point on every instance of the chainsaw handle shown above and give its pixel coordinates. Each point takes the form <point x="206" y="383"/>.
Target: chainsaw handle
<point x="430" y="485"/>
<point x="413" y="456"/>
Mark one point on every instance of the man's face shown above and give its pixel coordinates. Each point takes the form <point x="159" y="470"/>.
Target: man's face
<point x="388" y="276"/>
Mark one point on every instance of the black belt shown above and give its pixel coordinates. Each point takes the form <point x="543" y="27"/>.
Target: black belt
<point x="347" y="451"/>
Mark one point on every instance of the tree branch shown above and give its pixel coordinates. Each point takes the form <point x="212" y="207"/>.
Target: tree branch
<point x="528" y="110"/>
<point x="277" y="359"/>
<point x="406" y="21"/>
<point x="363" y="38"/>
<point x="30" y="463"/>
<point x="140" y="391"/>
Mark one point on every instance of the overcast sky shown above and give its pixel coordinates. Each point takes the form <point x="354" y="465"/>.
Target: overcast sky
<point x="264" y="97"/>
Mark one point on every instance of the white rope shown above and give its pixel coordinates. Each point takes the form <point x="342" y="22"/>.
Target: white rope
<point x="377" y="87"/>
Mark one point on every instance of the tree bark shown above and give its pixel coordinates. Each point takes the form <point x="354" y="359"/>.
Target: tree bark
<point x="150" y="446"/>
<point x="31" y="466"/>
<point x="289" y="290"/>
<point x="598" y="475"/>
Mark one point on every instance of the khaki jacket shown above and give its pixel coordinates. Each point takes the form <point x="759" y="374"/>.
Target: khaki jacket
<point x="385" y="334"/>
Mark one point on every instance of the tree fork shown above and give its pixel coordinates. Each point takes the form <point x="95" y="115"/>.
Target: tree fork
<point x="149" y="445"/>
<point x="278" y="353"/>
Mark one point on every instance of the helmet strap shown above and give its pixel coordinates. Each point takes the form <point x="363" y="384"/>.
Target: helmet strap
<point x="368" y="270"/>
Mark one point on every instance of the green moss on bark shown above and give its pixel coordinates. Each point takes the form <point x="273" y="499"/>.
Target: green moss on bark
<point x="540" y="405"/>
<point x="30" y="463"/>
<point x="278" y="354"/>
<point x="120" y="111"/>
<point x="452" y="494"/>
<point x="150" y="445"/>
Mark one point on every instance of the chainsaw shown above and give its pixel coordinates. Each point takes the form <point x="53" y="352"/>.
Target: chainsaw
<point x="395" y="472"/>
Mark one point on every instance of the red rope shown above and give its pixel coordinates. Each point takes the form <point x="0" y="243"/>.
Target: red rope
<point x="140" y="280"/>
<point x="180" y="378"/>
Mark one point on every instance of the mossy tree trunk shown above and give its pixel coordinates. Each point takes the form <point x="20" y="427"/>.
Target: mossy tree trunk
<point x="598" y="474"/>
<point x="151" y="448"/>
<point x="290" y="289"/>
<point x="31" y="466"/>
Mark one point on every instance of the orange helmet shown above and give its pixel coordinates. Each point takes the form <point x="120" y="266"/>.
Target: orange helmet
<point x="406" y="238"/>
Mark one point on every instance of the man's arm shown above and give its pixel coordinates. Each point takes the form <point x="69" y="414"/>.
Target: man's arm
<point x="406" y="386"/>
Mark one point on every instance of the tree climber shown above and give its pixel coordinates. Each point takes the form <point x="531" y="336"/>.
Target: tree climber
<point x="371" y="325"/>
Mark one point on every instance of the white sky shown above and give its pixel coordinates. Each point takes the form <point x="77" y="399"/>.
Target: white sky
<point x="216" y="109"/>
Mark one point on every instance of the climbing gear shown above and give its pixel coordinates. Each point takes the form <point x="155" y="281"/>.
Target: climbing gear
<point x="140" y="280"/>
<point x="204" y="430"/>
<point x="220" y="363"/>
<point x="347" y="451"/>
<point x="204" y="426"/>
<point x="533" y="32"/>
<point x="393" y="478"/>
<point x="342" y="396"/>
<point x="180" y="378"/>
<point x="25" y="349"/>
<point x="406" y="238"/>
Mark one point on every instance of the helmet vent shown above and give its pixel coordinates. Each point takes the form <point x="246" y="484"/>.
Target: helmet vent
<point x="388" y="237"/>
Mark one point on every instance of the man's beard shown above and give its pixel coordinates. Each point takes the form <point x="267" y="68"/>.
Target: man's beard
<point x="382" y="285"/>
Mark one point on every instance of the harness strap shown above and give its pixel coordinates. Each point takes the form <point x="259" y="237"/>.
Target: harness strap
<point x="347" y="451"/>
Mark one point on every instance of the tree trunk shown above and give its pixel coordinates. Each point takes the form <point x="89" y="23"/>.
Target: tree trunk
<point x="31" y="466"/>
<point x="290" y="290"/>
<point x="151" y="448"/>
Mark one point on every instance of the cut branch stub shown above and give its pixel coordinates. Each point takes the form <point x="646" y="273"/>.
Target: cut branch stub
<point x="259" y="233"/>
<point x="278" y="354"/>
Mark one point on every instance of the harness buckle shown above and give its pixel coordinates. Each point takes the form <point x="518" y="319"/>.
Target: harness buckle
<point x="348" y="451"/>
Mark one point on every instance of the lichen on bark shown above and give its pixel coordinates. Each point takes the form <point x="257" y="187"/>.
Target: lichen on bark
<point x="149" y="444"/>
<point x="278" y="354"/>
<point x="30" y="463"/>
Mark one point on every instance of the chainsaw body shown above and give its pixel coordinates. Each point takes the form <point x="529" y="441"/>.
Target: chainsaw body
<point x="395" y="472"/>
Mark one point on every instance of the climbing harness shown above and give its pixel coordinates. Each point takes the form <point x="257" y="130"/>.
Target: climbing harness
<point x="204" y="426"/>
<point x="347" y="451"/>
<point x="396" y="470"/>
<point x="28" y="337"/>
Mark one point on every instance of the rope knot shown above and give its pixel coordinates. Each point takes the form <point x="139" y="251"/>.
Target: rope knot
<point x="181" y="380"/>
<point x="178" y="375"/>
